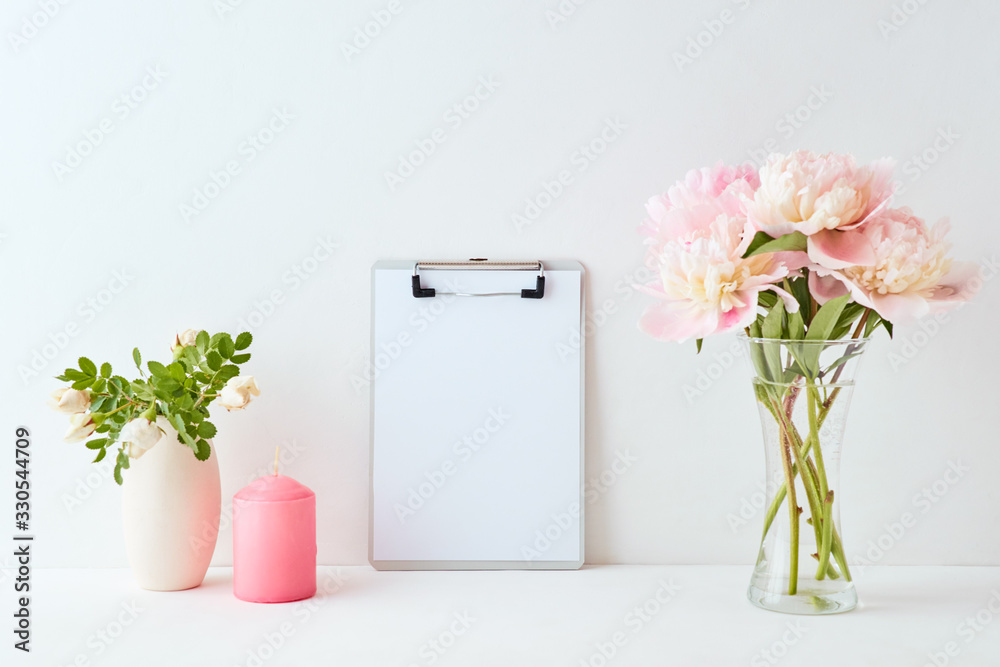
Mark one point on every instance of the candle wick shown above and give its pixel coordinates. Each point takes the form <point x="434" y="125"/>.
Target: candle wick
<point x="276" y="450"/>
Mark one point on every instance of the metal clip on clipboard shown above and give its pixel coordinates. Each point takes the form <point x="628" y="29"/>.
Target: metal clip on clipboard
<point x="480" y="264"/>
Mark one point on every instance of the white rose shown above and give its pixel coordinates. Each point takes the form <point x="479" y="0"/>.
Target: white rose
<point x="80" y="427"/>
<point x="185" y="338"/>
<point x="69" y="401"/>
<point x="236" y="394"/>
<point x="140" y="434"/>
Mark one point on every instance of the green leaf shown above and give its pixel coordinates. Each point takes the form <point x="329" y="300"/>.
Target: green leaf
<point x="843" y="360"/>
<point x="87" y="366"/>
<point x="99" y="443"/>
<point x="697" y="343"/>
<point x="767" y="299"/>
<point x="214" y="360"/>
<point x="762" y="243"/>
<point x="873" y="321"/>
<point x="178" y="423"/>
<point x="243" y="358"/>
<point x="759" y="239"/>
<point x="796" y="326"/>
<point x="118" y="473"/>
<point x="846" y="320"/>
<point x="103" y="428"/>
<point x="202" y="450"/>
<point x="83" y="384"/>
<point x="100" y="455"/>
<point x="227" y="373"/>
<point x="197" y="416"/>
<point x="168" y="384"/>
<point x="137" y="358"/>
<point x="226" y="346"/>
<point x="201" y="341"/>
<point x="800" y="290"/>
<point x="177" y="371"/>
<point x="772" y="325"/>
<point x="243" y="340"/>
<point x="105" y="370"/>
<point x="192" y="356"/>
<point x="826" y="318"/>
<point x="143" y="392"/>
<point x="157" y="369"/>
<point x="888" y="327"/>
<point x="74" y="374"/>
<point x="206" y="430"/>
<point x="100" y="384"/>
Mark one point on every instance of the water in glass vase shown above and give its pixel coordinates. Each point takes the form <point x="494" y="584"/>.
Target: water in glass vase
<point x="803" y="391"/>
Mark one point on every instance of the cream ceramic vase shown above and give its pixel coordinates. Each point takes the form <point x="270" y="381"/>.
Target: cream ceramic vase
<point x="171" y="504"/>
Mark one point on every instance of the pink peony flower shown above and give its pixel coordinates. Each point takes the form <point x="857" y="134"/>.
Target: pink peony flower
<point x="826" y="197"/>
<point x="705" y="286"/>
<point x="910" y="274"/>
<point x="675" y="214"/>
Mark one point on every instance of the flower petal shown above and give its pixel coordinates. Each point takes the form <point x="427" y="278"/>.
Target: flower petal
<point x="960" y="284"/>
<point x="900" y="308"/>
<point x="738" y="317"/>
<point x="824" y="288"/>
<point x="839" y="250"/>
<point x="669" y="320"/>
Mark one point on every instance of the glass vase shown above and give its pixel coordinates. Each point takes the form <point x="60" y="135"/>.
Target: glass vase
<point x="803" y="392"/>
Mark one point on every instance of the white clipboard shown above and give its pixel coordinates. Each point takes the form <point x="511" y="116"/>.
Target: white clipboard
<point x="477" y="415"/>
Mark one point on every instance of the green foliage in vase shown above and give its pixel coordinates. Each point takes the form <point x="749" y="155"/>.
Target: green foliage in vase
<point x="123" y="413"/>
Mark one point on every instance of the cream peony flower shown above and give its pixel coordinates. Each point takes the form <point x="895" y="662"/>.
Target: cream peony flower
<point x="911" y="274"/>
<point x="237" y="392"/>
<point x="706" y="286"/>
<point x="69" y="401"/>
<point x="827" y="198"/>
<point x="141" y="435"/>
<point x="185" y="338"/>
<point x="80" y="427"/>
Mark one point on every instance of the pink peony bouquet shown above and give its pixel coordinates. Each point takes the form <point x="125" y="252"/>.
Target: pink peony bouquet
<point x="806" y="230"/>
<point x="800" y="255"/>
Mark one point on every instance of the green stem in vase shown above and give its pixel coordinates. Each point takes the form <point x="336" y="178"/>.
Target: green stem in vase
<point x="793" y="514"/>
<point x="838" y="555"/>
<point x="810" y="481"/>
<point x="779" y="496"/>
<point x="825" y="494"/>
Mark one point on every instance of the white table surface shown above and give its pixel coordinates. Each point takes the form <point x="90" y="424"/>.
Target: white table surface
<point x="510" y="619"/>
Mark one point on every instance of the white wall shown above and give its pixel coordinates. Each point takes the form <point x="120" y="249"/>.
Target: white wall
<point x="64" y="239"/>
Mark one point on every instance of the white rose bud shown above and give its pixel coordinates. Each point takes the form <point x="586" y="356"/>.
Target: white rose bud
<point x="80" y="427"/>
<point x="236" y="394"/>
<point x="140" y="434"/>
<point x="69" y="401"/>
<point x="185" y="338"/>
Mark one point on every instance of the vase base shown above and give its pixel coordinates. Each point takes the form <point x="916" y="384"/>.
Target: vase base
<point x="805" y="601"/>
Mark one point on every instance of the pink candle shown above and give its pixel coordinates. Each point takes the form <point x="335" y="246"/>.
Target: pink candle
<point x="274" y="541"/>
